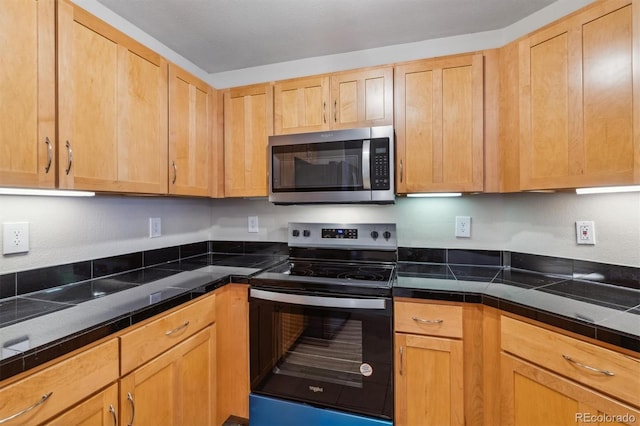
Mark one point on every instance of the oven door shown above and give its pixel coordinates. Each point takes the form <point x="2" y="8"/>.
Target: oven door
<point x="323" y="350"/>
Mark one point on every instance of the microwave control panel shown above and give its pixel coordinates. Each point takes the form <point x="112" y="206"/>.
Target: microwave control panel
<point x="380" y="175"/>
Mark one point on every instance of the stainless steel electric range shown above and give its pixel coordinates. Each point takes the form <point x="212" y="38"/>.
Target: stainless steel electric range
<point x="321" y="329"/>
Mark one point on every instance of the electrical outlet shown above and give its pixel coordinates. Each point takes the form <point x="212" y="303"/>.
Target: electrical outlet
<point x="585" y="232"/>
<point x="463" y="226"/>
<point x="15" y="237"/>
<point x="252" y="224"/>
<point x="155" y="227"/>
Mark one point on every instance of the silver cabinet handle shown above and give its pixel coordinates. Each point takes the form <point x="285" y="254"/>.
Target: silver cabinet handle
<point x="401" y="170"/>
<point x="401" y="358"/>
<point x="426" y="321"/>
<point x="175" y="173"/>
<point x="49" y="154"/>
<point x="335" y="111"/>
<point x="320" y="301"/>
<point x="324" y="112"/>
<point x="175" y="330"/>
<point x="588" y="367"/>
<point x="70" y="157"/>
<point x="42" y="400"/>
<point x="113" y="414"/>
<point x="133" y="408"/>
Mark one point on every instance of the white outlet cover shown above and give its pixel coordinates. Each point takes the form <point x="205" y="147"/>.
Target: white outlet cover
<point x="155" y="227"/>
<point x="463" y="226"/>
<point x="252" y="224"/>
<point x="585" y="232"/>
<point x="15" y="237"/>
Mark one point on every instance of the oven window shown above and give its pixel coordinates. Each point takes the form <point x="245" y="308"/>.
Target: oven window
<point x="318" y="347"/>
<point x="328" y="166"/>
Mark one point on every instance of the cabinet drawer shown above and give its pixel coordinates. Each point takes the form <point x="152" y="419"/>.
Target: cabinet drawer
<point x="66" y="383"/>
<point x="606" y="370"/>
<point x="429" y="319"/>
<point x="144" y="343"/>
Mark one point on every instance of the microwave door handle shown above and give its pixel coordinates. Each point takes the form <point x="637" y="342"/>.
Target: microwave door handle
<point x="320" y="301"/>
<point x="366" y="164"/>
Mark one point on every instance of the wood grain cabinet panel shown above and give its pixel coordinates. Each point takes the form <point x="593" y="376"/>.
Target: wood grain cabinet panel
<point x="439" y="125"/>
<point x="112" y="104"/>
<point x="151" y="339"/>
<point x="248" y="123"/>
<point x="608" y="371"/>
<point x="27" y="88"/>
<point x="176" y="388"/>
<point x="578" y="85"/>
<point x="350" y="99"/>
<point x="66" y="382"/>
<point x="429" y="381"/>
<point x="98" y="410"/>
<point x="192" y="112"/>
<point x="536" y="397"/>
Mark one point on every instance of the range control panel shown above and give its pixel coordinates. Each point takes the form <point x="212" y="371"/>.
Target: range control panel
<point x="378" y="236"/>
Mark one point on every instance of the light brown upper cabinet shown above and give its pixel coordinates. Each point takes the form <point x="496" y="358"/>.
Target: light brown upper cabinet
<point x="359" y="98"/>
<point x="192" y="113"/>
<point x="579" y="80"/>
<point x="248" y="123"/>
<point x="27" y="94"/>
<point x="112" y="105"/>
<point x="439" y="125"/>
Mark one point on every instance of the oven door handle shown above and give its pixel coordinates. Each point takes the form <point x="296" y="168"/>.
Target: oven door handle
<point x="320" y="301"/>
<point x="366" y="164"/>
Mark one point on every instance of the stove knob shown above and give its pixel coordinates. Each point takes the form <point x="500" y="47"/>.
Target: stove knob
<point x="386" y="235"/>
<point x="295" y="233"/>
<point x="374" y="235"/>
<point x="306" y="233"/>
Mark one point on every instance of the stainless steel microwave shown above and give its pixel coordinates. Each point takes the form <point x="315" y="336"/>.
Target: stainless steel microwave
<point x="340" y="166"/>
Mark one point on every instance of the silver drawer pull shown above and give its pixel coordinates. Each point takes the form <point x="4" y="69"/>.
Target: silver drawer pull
<point x="175" y="330"/>
<point x="587" y="367"/>
<point x="113" y="414"/>
<point x="426" y="321"/>
<point x="49" y="155"/>
<point x="44" y="399"/>
<point x="133" y="408"/>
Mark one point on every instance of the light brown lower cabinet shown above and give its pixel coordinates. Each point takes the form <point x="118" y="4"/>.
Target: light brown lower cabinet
<point x="98" y="410"/>
<point x="429" y="381"/>
<point x="176" y="388"/>
<point x="534" y="396"/>
<point x="37" y="397"/>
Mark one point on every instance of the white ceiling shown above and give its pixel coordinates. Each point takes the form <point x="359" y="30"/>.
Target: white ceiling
<point x="225" y="35"/>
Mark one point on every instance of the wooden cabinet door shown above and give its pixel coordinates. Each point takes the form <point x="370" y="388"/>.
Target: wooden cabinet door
<point x="27" y="94"/>
<point x="248" y="123"/>
<point x="191" y="130"/>
<point x="176" y="388"/>
<point x="439" y="125"/>
<point x="99" y="410"/>
<point x="112" y="104"/>
<point x="577" y="92"/>
<point x="429" y="381"/>
<point x="302" y="105"/>
<point x="362" y="98"/>
<point x="533" y="396"/>
<point x="232" y="344"/>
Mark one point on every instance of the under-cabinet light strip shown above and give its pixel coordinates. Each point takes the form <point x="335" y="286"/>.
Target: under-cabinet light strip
<point x="45" y="192"/>
<point x="608" y="189"/>
<point x="435" y="194"/>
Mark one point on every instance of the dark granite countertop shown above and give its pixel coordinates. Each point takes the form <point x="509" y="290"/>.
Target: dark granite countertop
<point x="39" y="326"/>
<point x="610" y="313"/>
<point x="94" y="299"/>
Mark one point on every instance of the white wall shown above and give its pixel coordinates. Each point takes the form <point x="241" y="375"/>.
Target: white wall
<point x="539" y="223"/>
<point x="65" y="230"/>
